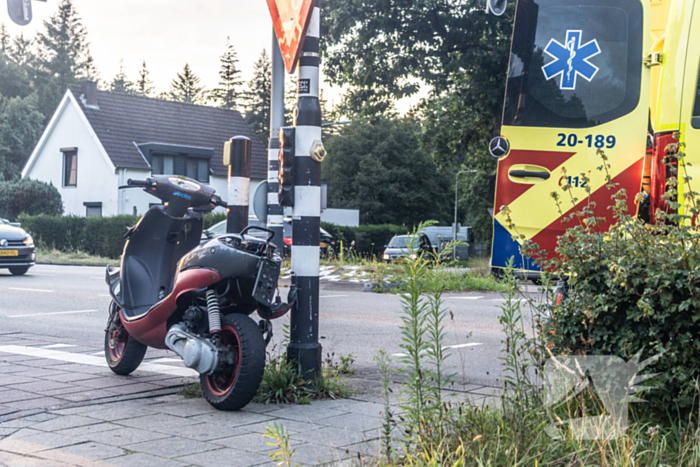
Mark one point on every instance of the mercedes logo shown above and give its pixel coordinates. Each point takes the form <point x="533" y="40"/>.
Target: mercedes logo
<point x="3" y="243"/>
<point x="499" y="147"/>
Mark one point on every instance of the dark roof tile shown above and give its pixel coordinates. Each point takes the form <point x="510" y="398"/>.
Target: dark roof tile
<point x="123" y="119"/>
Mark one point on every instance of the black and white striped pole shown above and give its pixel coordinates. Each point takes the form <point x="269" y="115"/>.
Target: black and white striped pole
<point x="275" y="212"/>
<point x="304" y="348"/>
<point x="237" y="154"/>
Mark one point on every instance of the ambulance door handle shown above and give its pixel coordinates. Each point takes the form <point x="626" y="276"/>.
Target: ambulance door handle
<point x="529" y="174"/>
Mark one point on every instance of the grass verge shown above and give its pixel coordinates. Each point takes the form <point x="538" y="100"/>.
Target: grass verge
<point x="52" y="256"/>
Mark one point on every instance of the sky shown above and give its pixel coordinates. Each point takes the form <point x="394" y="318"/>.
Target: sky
<point x="166" y="34"/>
<point x="169" y="33"/>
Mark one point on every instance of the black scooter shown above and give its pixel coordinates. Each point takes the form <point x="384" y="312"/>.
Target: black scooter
<point x="173" y="293"/>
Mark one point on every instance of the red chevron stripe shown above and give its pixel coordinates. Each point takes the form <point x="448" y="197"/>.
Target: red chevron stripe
<point x="507" y="191"/>
<point x="630" y="179"/>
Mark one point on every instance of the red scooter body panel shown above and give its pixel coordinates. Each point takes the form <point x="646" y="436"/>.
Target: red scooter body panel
<point x="152" y="328"/>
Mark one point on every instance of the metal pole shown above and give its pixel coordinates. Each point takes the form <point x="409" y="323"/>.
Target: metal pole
<point x="275" y="212"/>
<point x="238" y="184"/>
<point x="304" y="348"/>
<point x="454" y="227"/>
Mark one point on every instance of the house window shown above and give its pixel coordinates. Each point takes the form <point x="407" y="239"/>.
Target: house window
<point x="93" y="209"/>
<point x="194" y="168"/>
<point x="70" y="167"/>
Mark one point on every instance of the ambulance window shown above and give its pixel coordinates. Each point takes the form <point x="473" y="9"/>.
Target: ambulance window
<point x="574" y="63"/>
<point x="696" y="111"/>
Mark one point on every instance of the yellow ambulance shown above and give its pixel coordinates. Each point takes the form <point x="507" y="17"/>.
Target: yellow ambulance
<point x="584" y="75"/>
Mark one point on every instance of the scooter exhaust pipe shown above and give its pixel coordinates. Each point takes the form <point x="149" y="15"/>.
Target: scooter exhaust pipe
<point x="197" y="353"/>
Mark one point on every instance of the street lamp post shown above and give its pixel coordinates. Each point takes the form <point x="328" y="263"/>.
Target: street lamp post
<point x="454" y="238"/>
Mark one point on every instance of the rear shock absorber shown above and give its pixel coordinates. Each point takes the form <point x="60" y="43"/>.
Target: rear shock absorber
<point x="214" y="313"/>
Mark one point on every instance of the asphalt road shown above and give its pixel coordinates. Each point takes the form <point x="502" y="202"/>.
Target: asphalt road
<point x="72" y="301"/>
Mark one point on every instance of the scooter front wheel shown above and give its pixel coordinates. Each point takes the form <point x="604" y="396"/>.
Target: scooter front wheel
<point x="235" y="385"/>
<point x="123" y="353"/>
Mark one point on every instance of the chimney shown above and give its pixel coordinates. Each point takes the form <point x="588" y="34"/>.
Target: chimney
<point x="89" y="94"/>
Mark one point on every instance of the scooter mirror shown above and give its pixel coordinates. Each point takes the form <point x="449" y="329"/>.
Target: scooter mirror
<point x="20" y="11"/>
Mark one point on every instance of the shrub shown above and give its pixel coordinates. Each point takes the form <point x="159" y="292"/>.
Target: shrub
<point x="634" y="288"/>
<point x="99" y="236"/>
<point x="213" y="218"/>
<point x="30" y="197"/>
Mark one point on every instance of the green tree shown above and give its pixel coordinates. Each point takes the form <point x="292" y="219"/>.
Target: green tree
<point x="121" y="82"/>
<point x="258" y="97"/>
<point x="379" y="168"/>
<point x="15" y="80"/>
<point x="385" y="50"/>
<point x="5" y="39"/>
<point x="144" y="85"/>
<point x="20" y="129"/>
<point x="62" y="56"/>
<point x="228" y="94"/>
<point x="21" y="50"/>
<point x="184" y="88"/>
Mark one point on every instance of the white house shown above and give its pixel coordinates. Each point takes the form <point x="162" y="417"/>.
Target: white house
<point x="97" y="140"/>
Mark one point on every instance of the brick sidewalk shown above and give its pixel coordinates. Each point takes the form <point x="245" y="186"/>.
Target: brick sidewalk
<point x="60" y="406"/>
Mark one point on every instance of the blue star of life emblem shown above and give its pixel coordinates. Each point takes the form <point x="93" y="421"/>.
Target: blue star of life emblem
<point x="571" y="60"/>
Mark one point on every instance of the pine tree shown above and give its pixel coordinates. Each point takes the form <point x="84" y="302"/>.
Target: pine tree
<point x="21" y="51"/>
<point x="259" y="96"/>
<point x="144" y="86"/>
<point x="121" y="82"/>
<point x="5" y="40"/>
<point x="184" y="87"/>
<point x="63" y="53"/>
<point x="228" y="95"/>
<point x="88" y="68"/>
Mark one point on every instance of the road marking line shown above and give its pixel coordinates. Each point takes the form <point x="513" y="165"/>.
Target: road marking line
<point x="473" y="344"/>
<point x="332" y="296"/>
<point x="83" y="359"/>
<point x="460" y="346"/>
<point x="466" y="298"/>
<point x="31" y="290"/>
<point x="43" y="275"/>
<point x="166" y="360"/>
<point x="100" y="353"/>
<point x="505" y="299"/>
<point x="53" y="313"/>
<point x="98" y="278"/>
<point x="57" y="346"/>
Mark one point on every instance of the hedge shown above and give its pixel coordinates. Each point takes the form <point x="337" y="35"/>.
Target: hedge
<point x="99" y="236"/>
<point x="30" y="197"/>
<point x="369" y="239"/>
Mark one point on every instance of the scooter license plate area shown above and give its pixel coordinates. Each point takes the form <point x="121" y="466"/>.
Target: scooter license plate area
<point x="266" y="282"/>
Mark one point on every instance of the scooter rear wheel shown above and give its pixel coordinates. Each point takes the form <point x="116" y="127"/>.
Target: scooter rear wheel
<point x="235" y="385"/>
<point x="123" y="353"/>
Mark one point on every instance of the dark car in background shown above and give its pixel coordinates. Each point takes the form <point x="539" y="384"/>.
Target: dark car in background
<point x="16" y="248"/>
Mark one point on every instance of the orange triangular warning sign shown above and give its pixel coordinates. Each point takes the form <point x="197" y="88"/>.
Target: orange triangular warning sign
<point x="291" y="20"/>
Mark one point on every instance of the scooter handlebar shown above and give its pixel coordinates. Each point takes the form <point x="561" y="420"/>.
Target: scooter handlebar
<point x="217" y="201"/>
<point x="140" y="183"/>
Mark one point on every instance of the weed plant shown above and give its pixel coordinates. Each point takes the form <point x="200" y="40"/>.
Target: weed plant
<point x="283" y="382"/>
<point x="517" y="428"/>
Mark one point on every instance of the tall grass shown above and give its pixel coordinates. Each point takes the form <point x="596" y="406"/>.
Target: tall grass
<point x="512" y="430"/>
